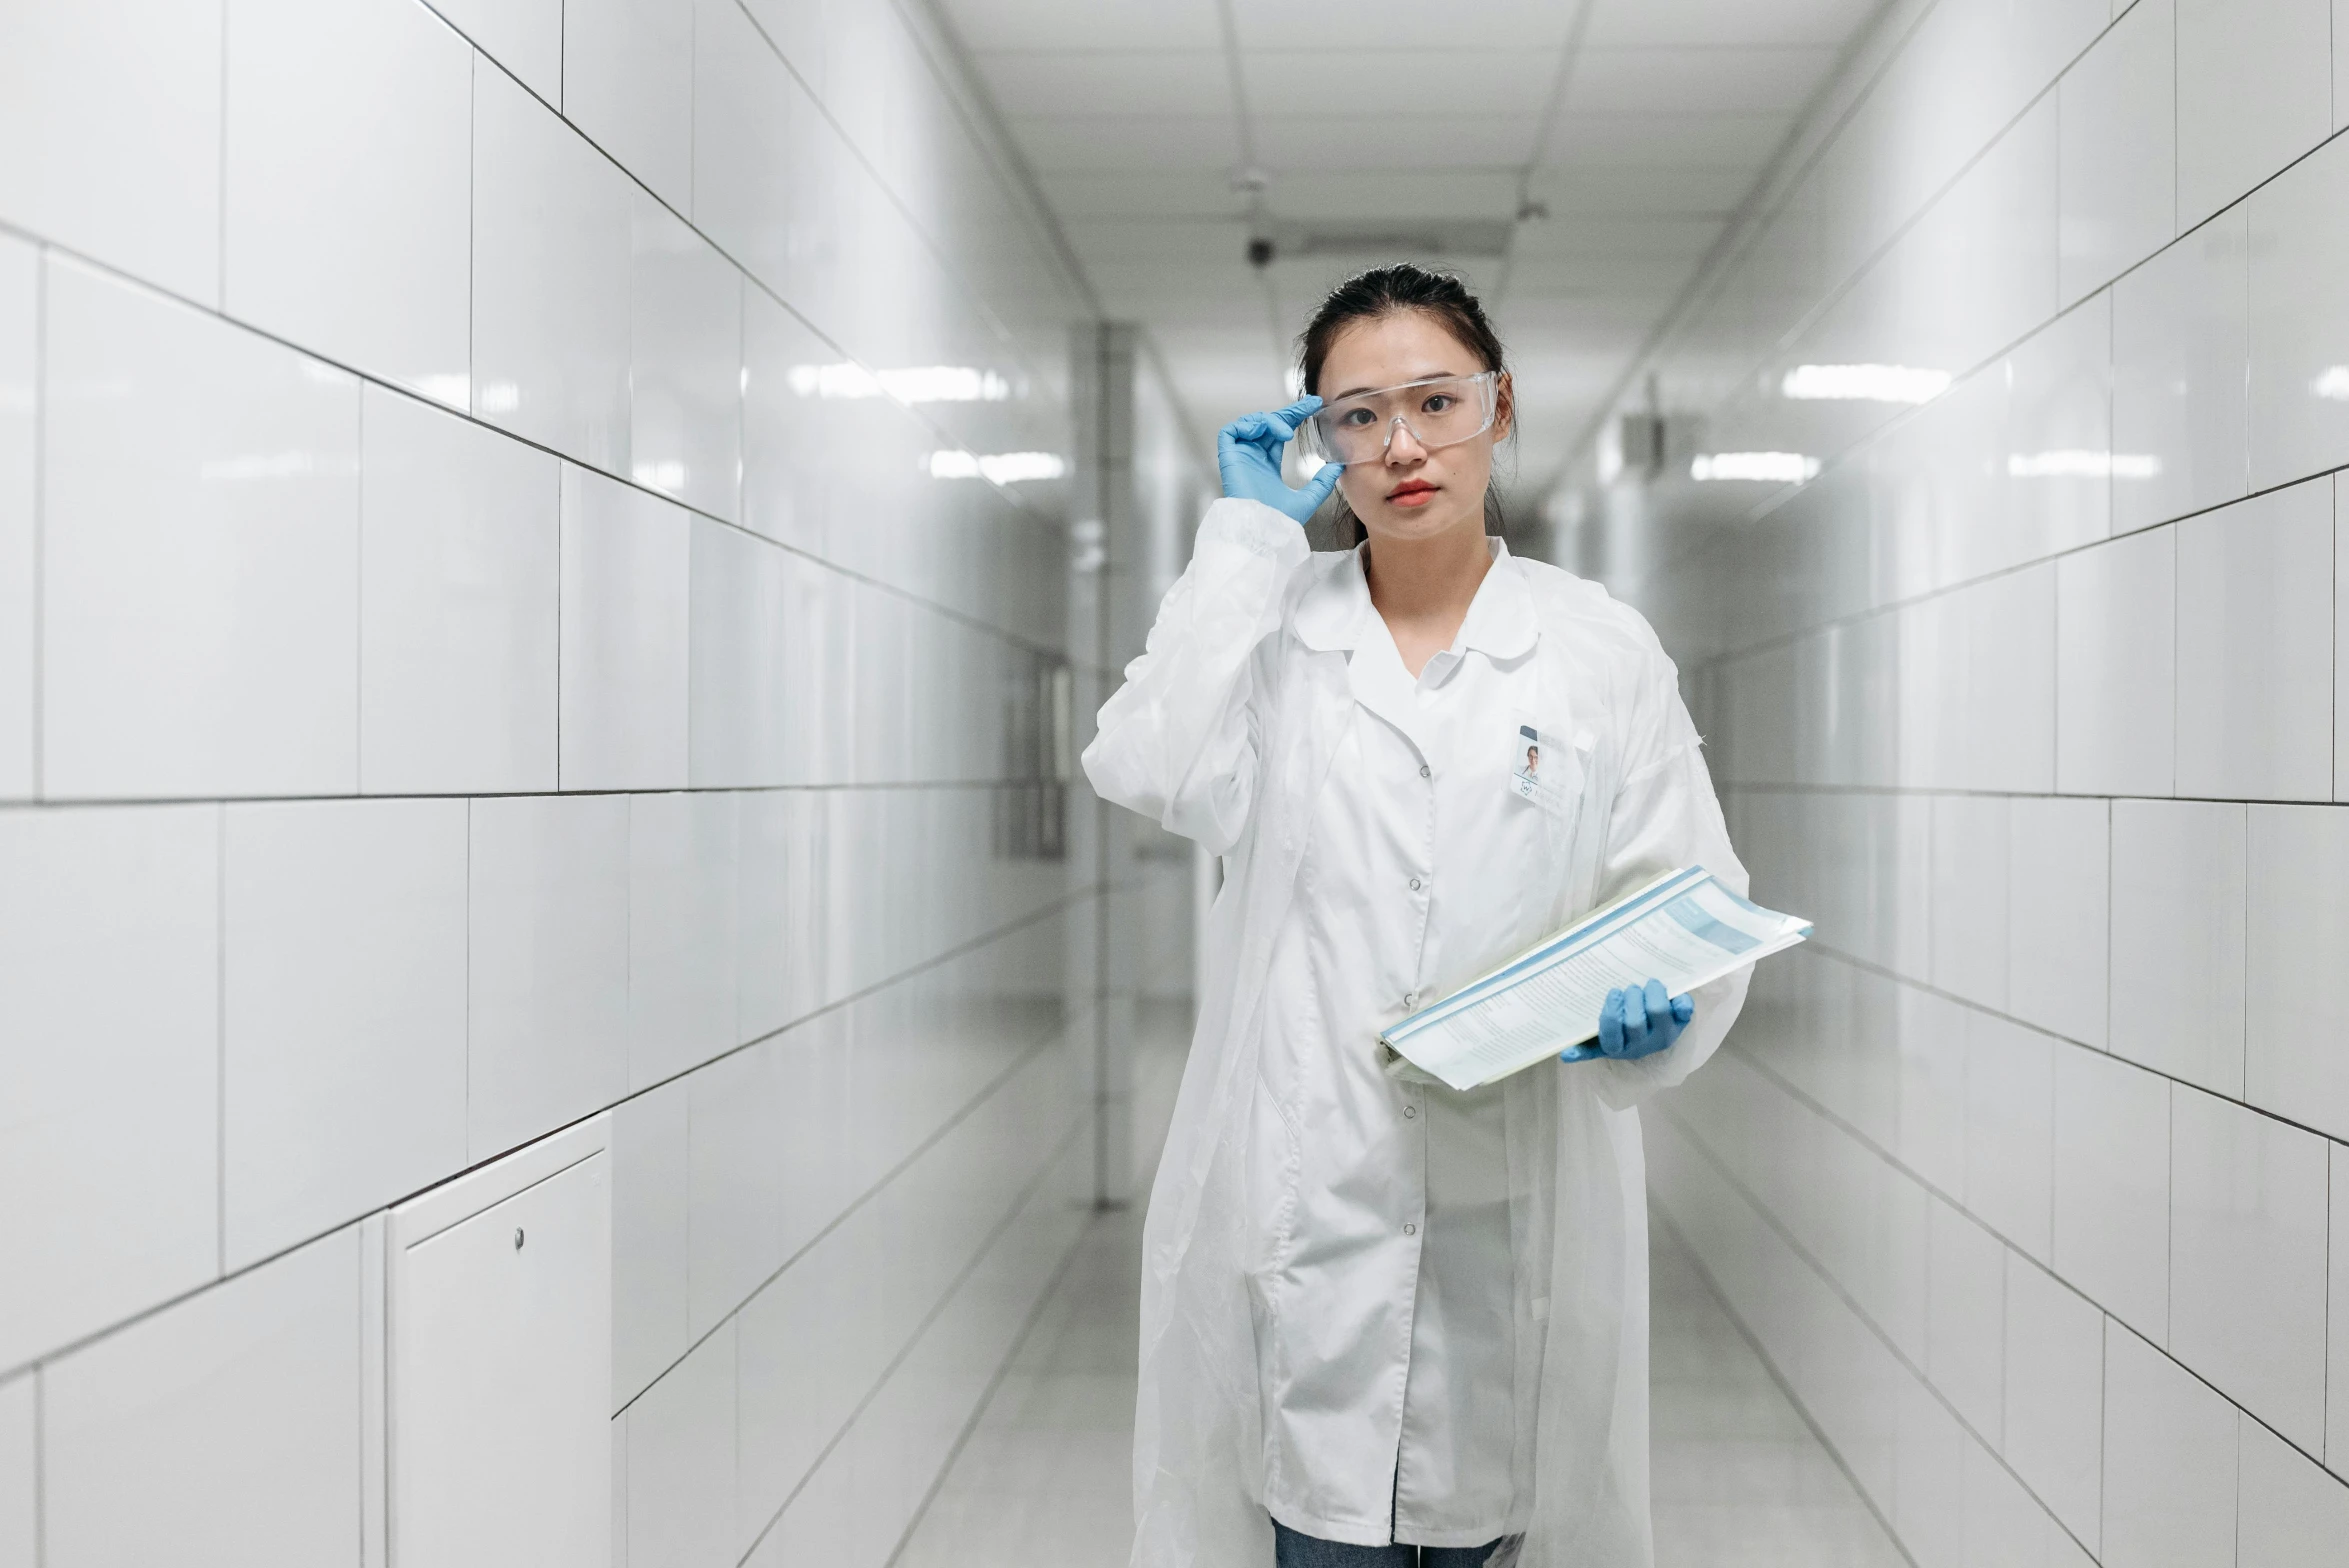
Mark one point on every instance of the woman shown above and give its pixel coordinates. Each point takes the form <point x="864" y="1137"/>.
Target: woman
<point x="1383" y="1322"/>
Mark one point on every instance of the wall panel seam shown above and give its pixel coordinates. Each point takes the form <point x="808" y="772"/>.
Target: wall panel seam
<point x="1929" y="989"/>
<point x="86" y="1340"/>
<point x="1786" y="1234"/>
<point x="1835" y="1287"/>
<point x="929" y="1319"/>
<point x="1029" y="517"/>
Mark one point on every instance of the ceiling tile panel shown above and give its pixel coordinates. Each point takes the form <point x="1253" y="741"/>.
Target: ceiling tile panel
<point x="1102" y="142"/>
<point x="1647" y="141"/>
<point x="1160" y="82"/>
<point x="1405" y="24"/>
<point x="1639" y="276"/>
<point x="1084" y="24"/>
<point x="1727" y="80"/>
<point x="1172" y="244"/>
<point x="1576" y="192"/>
<point x="1141" y="193"/>
<point x="1307" y="195"/>
<point x="1410" y="82"/>
<point x="1580" y="234"/>
<point x="1376" y="115"/>
<point x="1394" y="141"/>
<point x="1715" y="23"/>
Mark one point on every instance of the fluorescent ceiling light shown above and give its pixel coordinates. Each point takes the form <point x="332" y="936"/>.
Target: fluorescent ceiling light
<point x="2083" y="463"/>
<point x="2333" y="384"/>
<point x="1003" y="468"/>
<point x="1863" y="384"/>
<point x="1784" y="468"/>
<point x="916" y="384"/>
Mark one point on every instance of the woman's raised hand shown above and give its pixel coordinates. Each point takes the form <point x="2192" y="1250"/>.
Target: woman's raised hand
<point x="1634" y="1022"/>
<point x="1248" y="452"/>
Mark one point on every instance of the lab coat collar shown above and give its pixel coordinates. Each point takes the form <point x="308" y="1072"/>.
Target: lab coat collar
<point x="1333" y="614"/>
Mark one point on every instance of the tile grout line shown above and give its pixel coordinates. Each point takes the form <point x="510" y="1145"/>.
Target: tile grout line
<point x="872" y="171"/>
<point x="40" y="1467"/>
<point x="220" y="1042"/>
<point x="40" y="670"/>
<point x="1893" y="607"/>
<point x="2104" y="1322"/>
<point x="1746" y="1054"/>
<point x="995" y="1383"/>
<point x="106" y="1331"/>
<point x="472" y="226"/>
<point x="961" y="1114"/>
<point x="1774" y="503"/>
<point x="881" y="787"/>
<point x="1785" y="1388"/>
<point x="938" y="607"/>
<point x="1018" y="1207"/>
<point x="1927" y="792"/>
<point x="220" y="151"/>
<point x="468" y="984"/>
<point x="1836" y="1287"/>
<point x="1746" y="227"/>
<point x="562" y="477"/>
<point x="359" y="600"/>
<point x="1801" y="1097"/>
<point x="1926" y="987"/>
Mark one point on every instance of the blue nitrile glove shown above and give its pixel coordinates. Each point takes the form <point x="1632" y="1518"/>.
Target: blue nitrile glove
<point x="1636" y="1023"/>
<point x="1248" y="452"/>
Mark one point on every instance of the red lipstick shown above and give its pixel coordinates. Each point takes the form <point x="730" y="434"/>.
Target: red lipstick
<point x="1412" y="493"/>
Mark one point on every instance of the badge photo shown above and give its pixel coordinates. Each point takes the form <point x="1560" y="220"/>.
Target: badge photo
<point x="1525" y="774"/>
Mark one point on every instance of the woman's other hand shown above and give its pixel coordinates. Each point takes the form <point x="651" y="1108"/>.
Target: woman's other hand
<point x="1636" y="1022"/>
<point x="1248" y="452"/>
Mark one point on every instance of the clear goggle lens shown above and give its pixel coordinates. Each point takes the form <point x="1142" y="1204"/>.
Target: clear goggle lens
<point x="1443" y="411"/>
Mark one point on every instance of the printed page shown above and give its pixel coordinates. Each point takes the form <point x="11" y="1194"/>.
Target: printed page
<point x="1685" y="930"/>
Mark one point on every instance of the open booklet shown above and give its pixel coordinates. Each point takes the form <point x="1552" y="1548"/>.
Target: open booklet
<point x="1684" y="929"/>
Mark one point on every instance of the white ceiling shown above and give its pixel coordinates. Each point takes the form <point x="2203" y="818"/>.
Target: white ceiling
<point x="1639" y="126"/>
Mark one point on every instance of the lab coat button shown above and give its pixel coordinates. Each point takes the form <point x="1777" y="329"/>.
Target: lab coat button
<point x="1410" y="1111"/>
<point x="1411" y="999"/>
<point x="1415" y="884"/>
<point x="1423" y="772"/>
<point x="1410" y="1230"/>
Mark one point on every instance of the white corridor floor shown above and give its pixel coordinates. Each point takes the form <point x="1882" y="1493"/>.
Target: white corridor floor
<point x="1041" y="1480"/>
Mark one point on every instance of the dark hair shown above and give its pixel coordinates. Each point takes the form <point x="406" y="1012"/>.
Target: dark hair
<point x="1389" y="291"/>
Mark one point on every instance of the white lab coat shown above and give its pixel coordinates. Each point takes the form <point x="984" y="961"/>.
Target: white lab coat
<point x="1225" y="732"/>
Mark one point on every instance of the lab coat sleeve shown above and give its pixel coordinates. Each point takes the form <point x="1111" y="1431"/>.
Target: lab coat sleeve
<point x="1666" y="816"/>
<point x="1178" y="741"/>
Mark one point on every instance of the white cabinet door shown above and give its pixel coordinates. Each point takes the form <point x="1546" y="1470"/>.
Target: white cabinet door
<point x="500" y="1357"/>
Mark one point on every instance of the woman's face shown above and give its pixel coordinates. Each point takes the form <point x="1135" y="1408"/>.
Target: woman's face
<point x="1413" y="493"/>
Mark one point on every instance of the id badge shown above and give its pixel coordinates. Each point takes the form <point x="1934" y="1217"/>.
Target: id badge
<point x="1526" y="775"/>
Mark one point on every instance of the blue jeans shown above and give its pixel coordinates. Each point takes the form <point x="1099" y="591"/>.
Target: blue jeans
<point x="1291" y="1550"/>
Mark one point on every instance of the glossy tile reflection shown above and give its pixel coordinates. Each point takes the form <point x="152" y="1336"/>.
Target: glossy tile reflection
<point x="513" y="613"/>
<point x="1738" y="1477"/>
<point x="2029" y="696"/>
<point x="410" y="758"/>
<point x="1044" y="1479"/>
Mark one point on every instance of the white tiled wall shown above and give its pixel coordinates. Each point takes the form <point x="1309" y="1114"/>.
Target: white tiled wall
<point x="469" y="659"/>
<point x="2029" y="1172"/>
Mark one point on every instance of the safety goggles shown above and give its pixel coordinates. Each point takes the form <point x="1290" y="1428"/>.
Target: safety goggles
<point x="1441" y="411"/>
